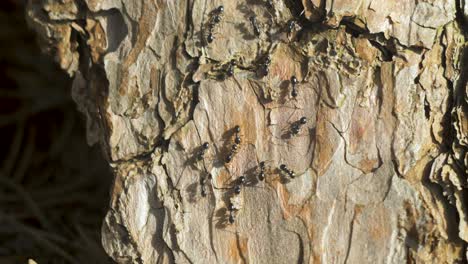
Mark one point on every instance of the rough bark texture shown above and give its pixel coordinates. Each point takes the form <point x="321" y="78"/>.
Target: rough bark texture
<point x="381" y="164"/>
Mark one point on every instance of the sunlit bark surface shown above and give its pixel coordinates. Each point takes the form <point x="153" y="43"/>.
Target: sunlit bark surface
<point x="380" y="165"/>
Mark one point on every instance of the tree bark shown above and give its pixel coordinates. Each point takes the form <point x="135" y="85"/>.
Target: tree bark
<point x="380" y="165"/>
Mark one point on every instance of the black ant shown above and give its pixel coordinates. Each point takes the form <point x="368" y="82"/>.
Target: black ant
<point x="203" y="186"/>
<point x="235" y="146"/>
<point x="242" y="180"/>
<point x="210" y="37"/>
<point x="231" y="209"/>
<point x="288" y="171"/>
<point x="292" y="128"/>
<point x="294" y="82"/>
<point x="237" y="139"/>
<point x="264" y="65"/>
<point x="261" y="174"/>
<point x="202" y="151"/>
<point x="230" y="69"/>
<point x="254" y="22"/>
<point x="214" y="20"/>
<point x="237" y="189"/>
<point x="296" y="126"/>
<point x="229" y="157"/>
<point x="216" y="16"/>
<point x="270" y="3"/>
<point x="291" y="25"/>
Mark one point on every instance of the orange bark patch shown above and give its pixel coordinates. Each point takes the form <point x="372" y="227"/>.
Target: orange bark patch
<point x="97" y="39"/>
<point x="117" y="189"/>
<point x="243" y="249"/>
<point x="365" y="50"/>
<point x="368" y="165"/>
<point x="283" y="196"/>
<point x="379" y="230"/>
<point x="238" y="250"/>
<point x="233" y="251"/>
<point x="358" y="209"/>
<point x="361" y="130"/>
<point x="285" y="64"/>
<point x="145" y="25"/>
<point x="341" y="37"/>
<point x="223" y="178"/>
<point x="361" y="138"/>
<point x="306" y="216"/>
<point x="325" y="146"/>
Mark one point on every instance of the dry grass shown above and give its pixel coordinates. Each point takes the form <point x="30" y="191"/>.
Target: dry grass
<point x="53" y="187"/>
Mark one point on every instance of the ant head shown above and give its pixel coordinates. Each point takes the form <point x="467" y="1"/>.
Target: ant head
<point x="303" y="120"/>
<point x="242" y="179"/>
<point x="294" y="80"/>
<point x="237" y="189"/>
<point x="228" y="158"/>
<point x="210" y="38"/>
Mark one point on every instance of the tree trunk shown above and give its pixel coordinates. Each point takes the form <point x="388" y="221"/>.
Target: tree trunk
<point x="380" y="164"/>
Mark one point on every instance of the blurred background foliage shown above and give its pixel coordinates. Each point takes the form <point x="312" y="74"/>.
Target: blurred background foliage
<point x="54" y="189"/>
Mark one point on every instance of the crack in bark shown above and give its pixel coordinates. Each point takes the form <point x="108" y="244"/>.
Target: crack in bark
<point x="326" y="228"/>
<point x="211" y="218"/>
<point x="123" y="232"/>
<point x="239" y="249"/>
<point x="345" y="148"/>
<point x="350" y="237"/>
<point x="300" y="258"/>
